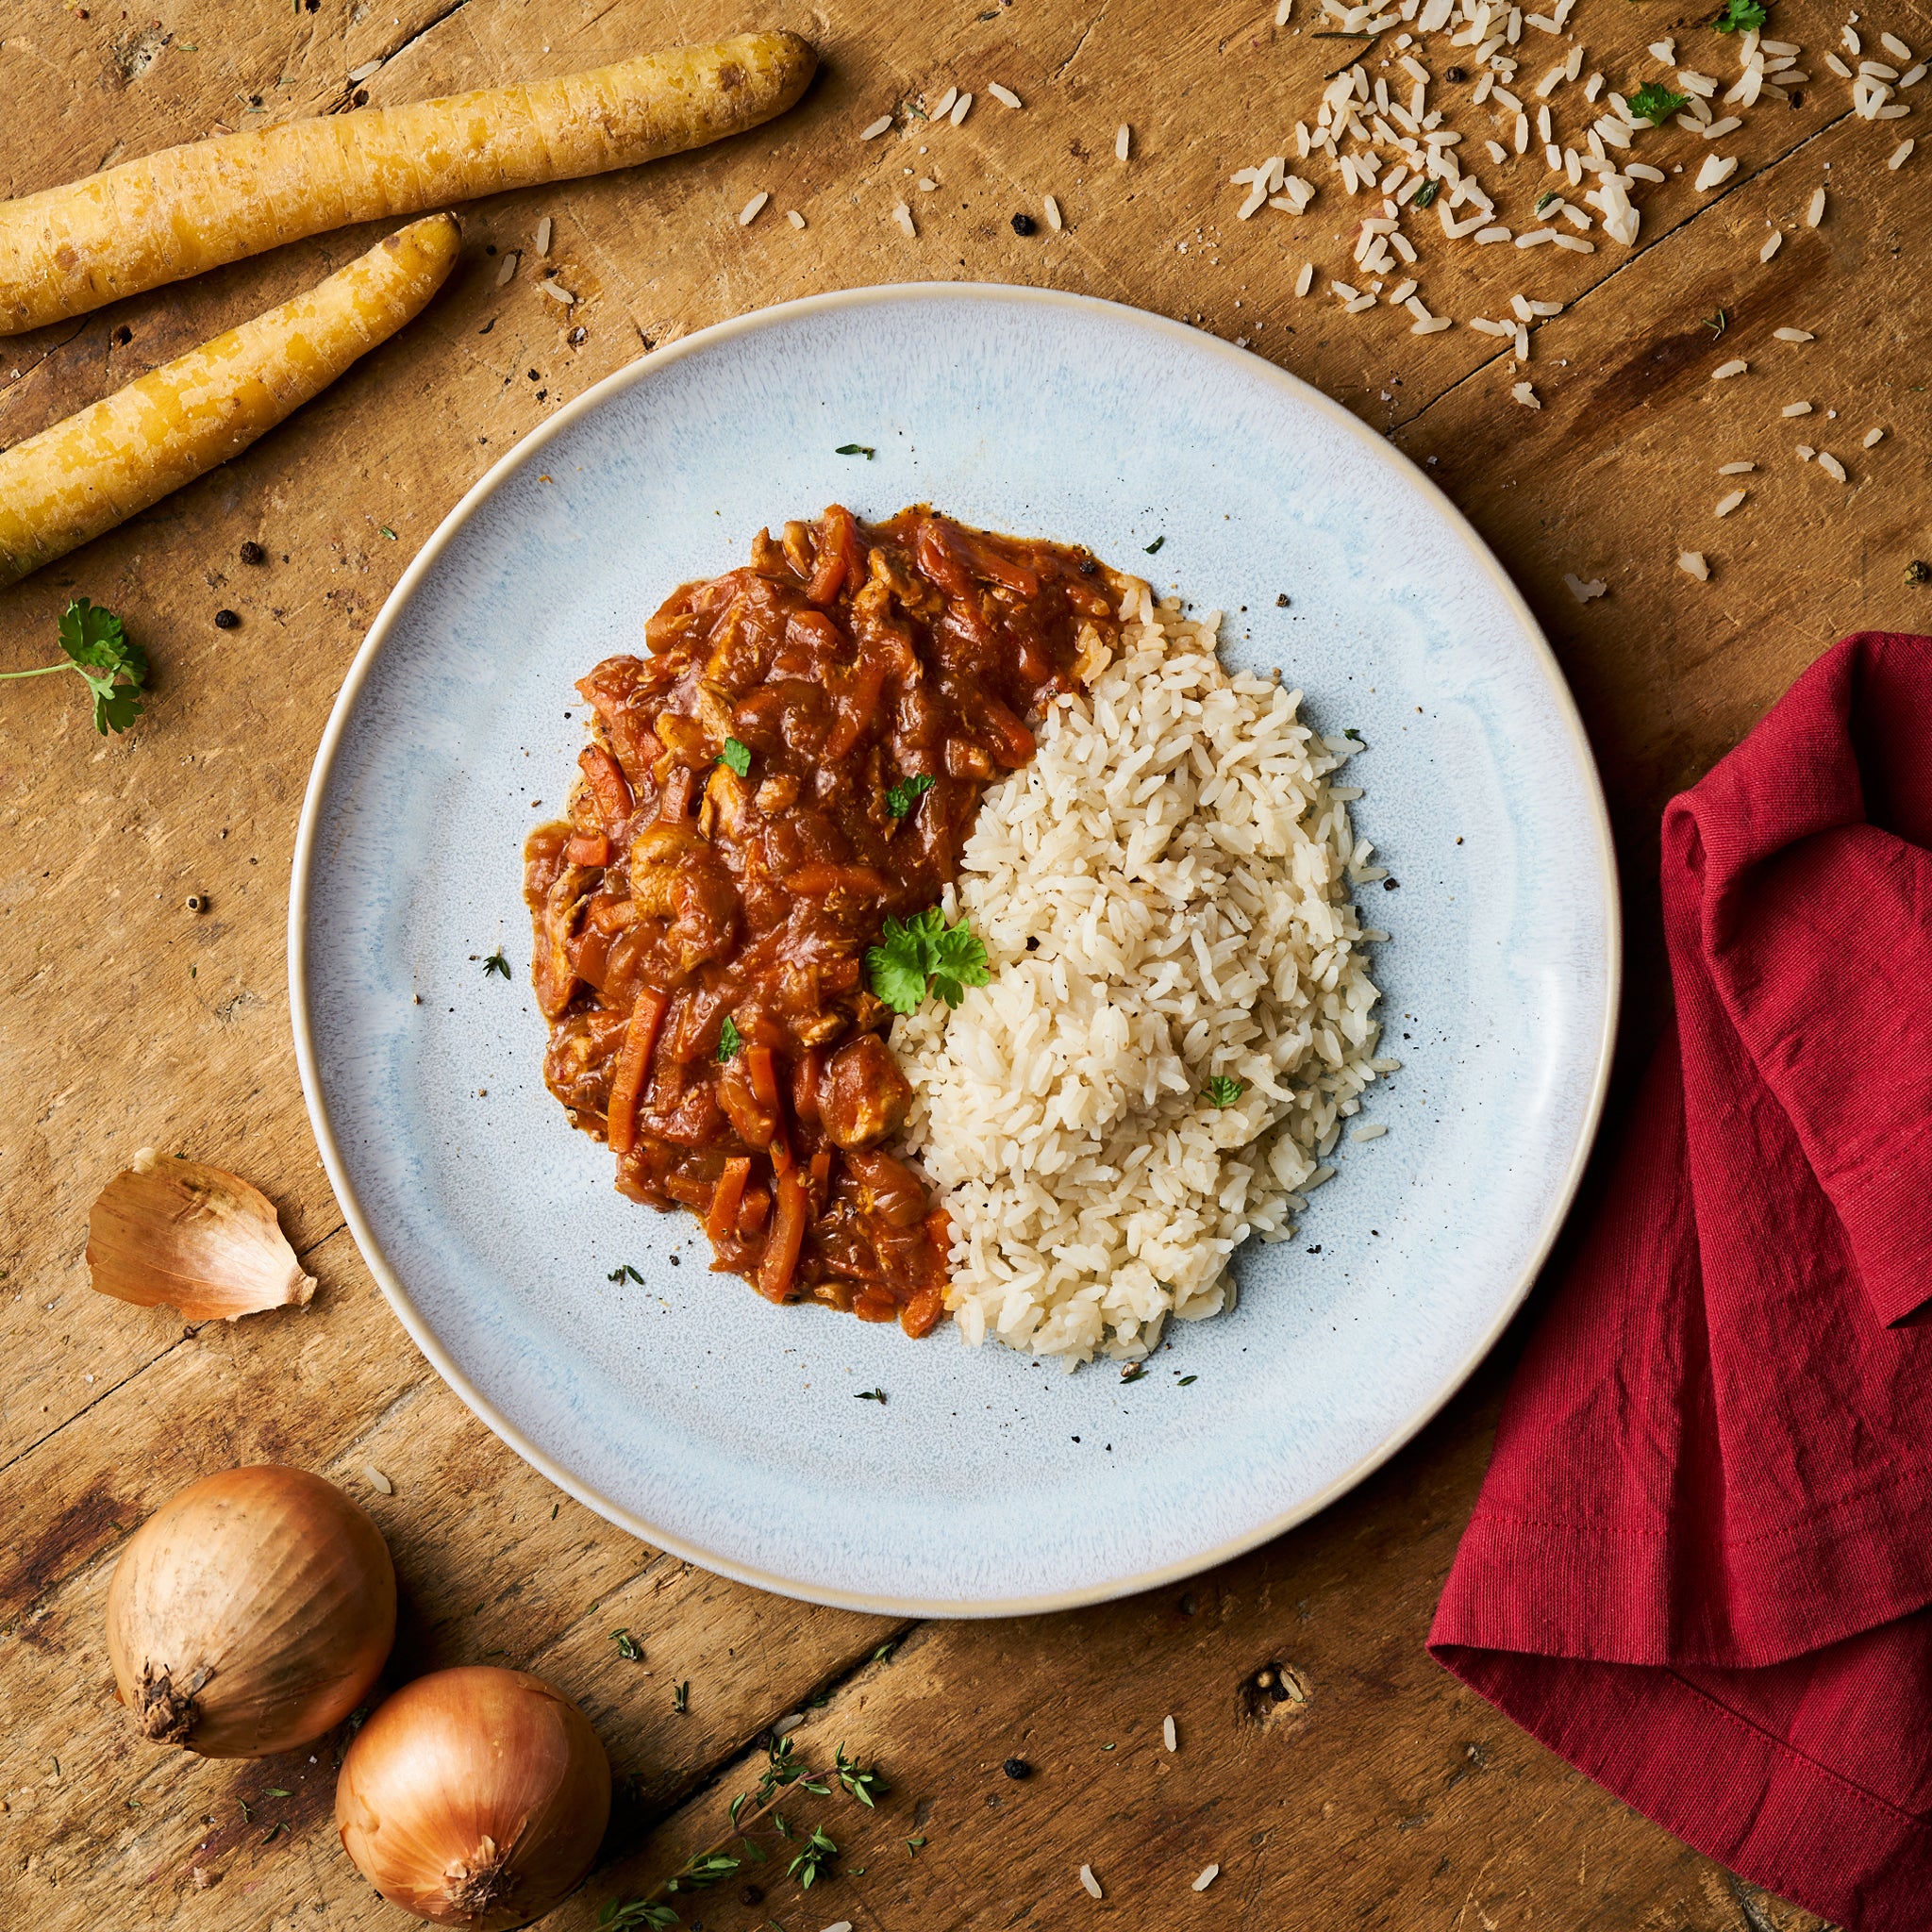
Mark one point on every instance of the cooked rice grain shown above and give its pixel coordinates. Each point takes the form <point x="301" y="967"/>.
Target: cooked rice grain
<point x="1177" y="852"/>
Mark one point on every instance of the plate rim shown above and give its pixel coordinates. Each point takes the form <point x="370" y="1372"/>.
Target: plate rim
<point x="525" y="451"/>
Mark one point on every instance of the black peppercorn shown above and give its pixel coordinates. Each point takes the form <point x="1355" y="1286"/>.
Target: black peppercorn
<point x="751" y="1895"/>
<point x="1919" y="572"/>
<point x="1017" y="1768"/>
<point x="1454" y="75"/>
<point x="227" y="620"/>
<point x="1281" y="601"/>
<point x="254" y="553"/>
<point x="1025" y="224"/>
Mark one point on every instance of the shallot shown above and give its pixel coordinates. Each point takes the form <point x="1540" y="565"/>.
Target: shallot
<point x="250" y="1613"/>
<point x="474" y="1797"/>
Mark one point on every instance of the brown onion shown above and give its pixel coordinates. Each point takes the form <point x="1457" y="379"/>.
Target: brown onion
<point x="474" y="1797"/>
<point x="250" y="1613"/>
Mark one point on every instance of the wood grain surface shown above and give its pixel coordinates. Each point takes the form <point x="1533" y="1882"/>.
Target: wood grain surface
<point x="1380" y="1793"/>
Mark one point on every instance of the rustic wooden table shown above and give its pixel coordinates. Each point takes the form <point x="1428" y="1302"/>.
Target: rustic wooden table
<point x="1384" y="1796"/>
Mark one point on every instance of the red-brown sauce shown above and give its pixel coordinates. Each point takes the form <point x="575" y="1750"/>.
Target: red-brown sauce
<point x="845" y="659"/>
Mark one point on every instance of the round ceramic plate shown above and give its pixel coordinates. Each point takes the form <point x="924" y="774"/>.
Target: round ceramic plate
<point x="674" y="1401"/>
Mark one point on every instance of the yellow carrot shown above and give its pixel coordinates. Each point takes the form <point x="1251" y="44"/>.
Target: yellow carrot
<point x="96" y="469"/>
<point x="69" y="249"/>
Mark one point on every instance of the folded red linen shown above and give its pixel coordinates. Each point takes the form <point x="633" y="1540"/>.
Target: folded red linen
<point x="1701" y="1564"/>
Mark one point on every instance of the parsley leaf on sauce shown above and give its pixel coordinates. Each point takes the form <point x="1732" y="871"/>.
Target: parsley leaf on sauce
<point x="921" y="950"/>
<point x="902" y="797"/>
<point x="729" y="1039"/>
<point x="737" y="755"/>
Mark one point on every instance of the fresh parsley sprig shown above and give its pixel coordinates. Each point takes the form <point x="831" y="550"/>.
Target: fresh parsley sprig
<point x="921" y="952"/>
<point x="729" y="1040"/>
<point x="1739" y="16"/>
<point x="1656" y="103"/>
<point x="1224" y="1089"/>
<point x="737" y="755"/>
<point x="99" y="648"/>
<point x="902" y="797"/>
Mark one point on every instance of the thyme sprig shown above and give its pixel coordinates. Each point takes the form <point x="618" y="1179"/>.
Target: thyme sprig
<point x="784" y="1772"/>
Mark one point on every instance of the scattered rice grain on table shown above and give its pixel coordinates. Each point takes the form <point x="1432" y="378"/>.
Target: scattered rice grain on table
<point x="1092" y="1883"/>
<point x="1692" y="564"/>
<point x="1207" y="1877"/>
<point x="1168" y="1736"/>
<point x="1177" y="849"/>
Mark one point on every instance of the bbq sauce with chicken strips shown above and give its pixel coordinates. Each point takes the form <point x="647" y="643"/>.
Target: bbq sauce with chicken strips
<point x="747" y="819"/>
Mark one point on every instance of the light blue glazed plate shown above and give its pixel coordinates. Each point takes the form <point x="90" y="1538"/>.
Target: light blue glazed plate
<point x="685" y="1408"/>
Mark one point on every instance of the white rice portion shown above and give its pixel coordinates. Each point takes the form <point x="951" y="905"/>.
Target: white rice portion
<point x="1179" y="854"/>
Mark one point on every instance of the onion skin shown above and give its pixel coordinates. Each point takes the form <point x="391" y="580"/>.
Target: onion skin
<point x="474" y="1797"/>
<point x="251" y="1613"/>
<point x="201" y="1239"/>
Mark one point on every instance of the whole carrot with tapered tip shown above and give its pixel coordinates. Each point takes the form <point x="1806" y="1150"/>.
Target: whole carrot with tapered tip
<point x="176" y="213"/>
<point x="96" y="469"/>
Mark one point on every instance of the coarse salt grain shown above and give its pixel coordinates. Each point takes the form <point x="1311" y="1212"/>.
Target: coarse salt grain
<point x="1122" y="140"/>
<point x="873" y="130"/>
<point x="376" y="1480"/>
<point x="1726" y="370"/>
<point x="1092" y="1883"/>
<point x="749" y="213"/>
<point x="1726" y="505"/>
<point x="1207" y="1877"/>
<point x="1004" y="95"/>
<point x="1692" y="564"/>
<point x="1167" y="1733"/>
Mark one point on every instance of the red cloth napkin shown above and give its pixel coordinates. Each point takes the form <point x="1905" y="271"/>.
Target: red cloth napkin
<point x="1701" y="1559"/>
